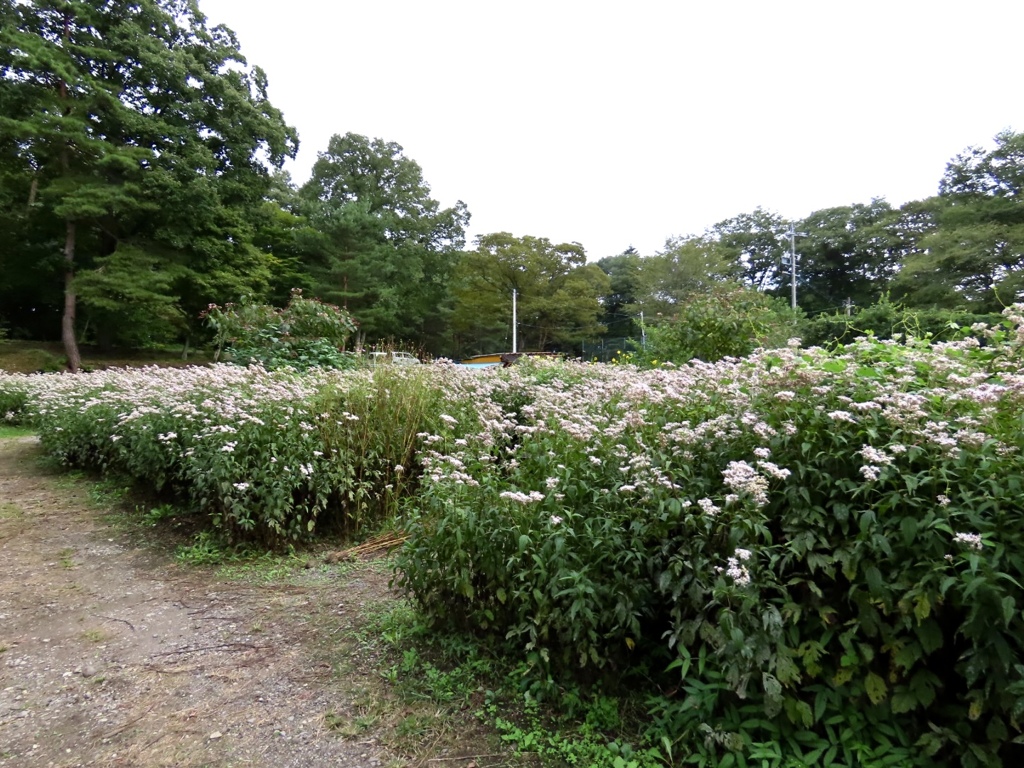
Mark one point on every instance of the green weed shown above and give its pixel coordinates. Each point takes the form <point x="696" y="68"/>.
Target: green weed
<point x="66" y="560"/>
<point x="206" y="549"/>
<point x="10" y="511"/>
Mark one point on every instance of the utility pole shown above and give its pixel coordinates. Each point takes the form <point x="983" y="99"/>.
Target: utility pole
<point x="792" y="233"/>
<point x="792" y="265"/>
<point x="514" y="323"/>
<point x="643" y="332"/>
<point x="848" y="304"/>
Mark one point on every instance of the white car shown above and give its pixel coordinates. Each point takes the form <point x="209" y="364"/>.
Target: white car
<point x="395" y="358"/>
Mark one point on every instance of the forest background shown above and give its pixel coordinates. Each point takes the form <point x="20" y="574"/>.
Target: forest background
<point x="141" y="181"/>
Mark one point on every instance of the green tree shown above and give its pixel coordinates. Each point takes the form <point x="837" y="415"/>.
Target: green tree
<point x="143" y="142"/>
<point x="379" y="244"/>
<point x="558" y="294"/>
<point x="848" y="253"/>
<point x="757" y="242"/>
<point x="685" y="266"/>
<point x="726" y="320"/>
<point x="973" y="256"/>
<point x="620" y="303"/>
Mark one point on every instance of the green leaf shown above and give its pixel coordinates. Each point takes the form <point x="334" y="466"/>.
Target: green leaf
<point x="930" y="635"/>
<point x="873" y="576"/>
<point x="922" y="607"/>
<point x="876" y="688"/>
<point x="903" y="701"/>
<point x="1009" y="608"/>
<point x="908" y="526"/>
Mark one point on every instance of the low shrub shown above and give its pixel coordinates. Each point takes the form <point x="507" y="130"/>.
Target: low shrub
<point x="819" y="553"/>
<point x="886" y="320"/>
<point x="15" y="391"/>
<point x="726" y="321"/>
<point x="270" y="457"/>
<point x="305" y="334"/>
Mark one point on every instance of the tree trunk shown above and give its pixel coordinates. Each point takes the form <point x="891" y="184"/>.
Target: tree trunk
<point x="67" y="325"/>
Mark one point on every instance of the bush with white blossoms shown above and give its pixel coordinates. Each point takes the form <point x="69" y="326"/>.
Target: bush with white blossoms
<point x="15" y="391"/>
<point x="816" y="557"/>
<point x="825" y="550"/>
<point x="267" y="456"/>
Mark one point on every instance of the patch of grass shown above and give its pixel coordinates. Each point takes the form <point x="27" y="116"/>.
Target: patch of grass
<point x="445" y="686"/>
<point x="66" y="560"/>
<point x="94" y="635"/>
<point x="10" y="511"/>
<point x="205" y="549"/>
<point x="367" y="714"/>
<point x="33" y="356"/>
<point x="239" y="563"/>
<point x="161" y="513"/>
<point x="112" y="491"/>
<point x="9" y="430"/>
<point x="260" y="568"/>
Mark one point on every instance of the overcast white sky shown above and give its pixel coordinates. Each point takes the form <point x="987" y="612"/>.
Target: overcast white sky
<point x="617" y="124"/>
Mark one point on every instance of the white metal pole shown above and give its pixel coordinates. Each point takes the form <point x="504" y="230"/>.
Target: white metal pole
<point x="514" y="323"/>
<point x="792" y="263"/>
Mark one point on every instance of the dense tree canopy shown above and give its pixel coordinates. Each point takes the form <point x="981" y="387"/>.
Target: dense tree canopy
<point x="755" y="241"/>
<point x="558" y="294"/>
<point x="973" y="254"/>
<point x="382" y="246"/>
<point x="849" y="253"/>
<point x="140" y="181"/>
<point x="137" y="147"/>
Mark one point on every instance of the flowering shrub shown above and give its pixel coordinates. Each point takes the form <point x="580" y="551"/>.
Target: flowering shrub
<point x="728" y="320"/>
<point x="305" y="334"/>
<point x="268" y="456"/>
<point x="824" y="550"/>
<point x="817" y="556"/>
<point x="14" y="397"/>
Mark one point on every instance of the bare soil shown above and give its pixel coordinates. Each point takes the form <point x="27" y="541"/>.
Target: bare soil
<point x="113" y="654"/>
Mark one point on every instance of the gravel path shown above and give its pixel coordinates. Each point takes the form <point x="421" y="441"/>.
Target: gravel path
<point x="113" y="655"/>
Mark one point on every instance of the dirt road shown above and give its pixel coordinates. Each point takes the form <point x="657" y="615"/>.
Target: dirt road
<point x="111" y="654"/>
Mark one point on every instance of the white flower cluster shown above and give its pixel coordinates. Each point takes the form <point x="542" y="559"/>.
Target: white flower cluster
<point x="773" y="470"/>
<point x="523" y="498"/>
<point x="875" y="456"/>
<point x="708" y="507"/>
<point x="870" y="472"/>
<point x="842" y="416"/>
<point x="969" y="540"/>
<point x="735" y="569"/>
<point x="743" y="478"/>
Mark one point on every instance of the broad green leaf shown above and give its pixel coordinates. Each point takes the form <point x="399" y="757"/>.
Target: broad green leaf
<point x="876" y="688"/>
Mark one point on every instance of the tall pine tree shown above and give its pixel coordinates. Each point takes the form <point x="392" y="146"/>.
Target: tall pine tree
<point x="137" y="139"/>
